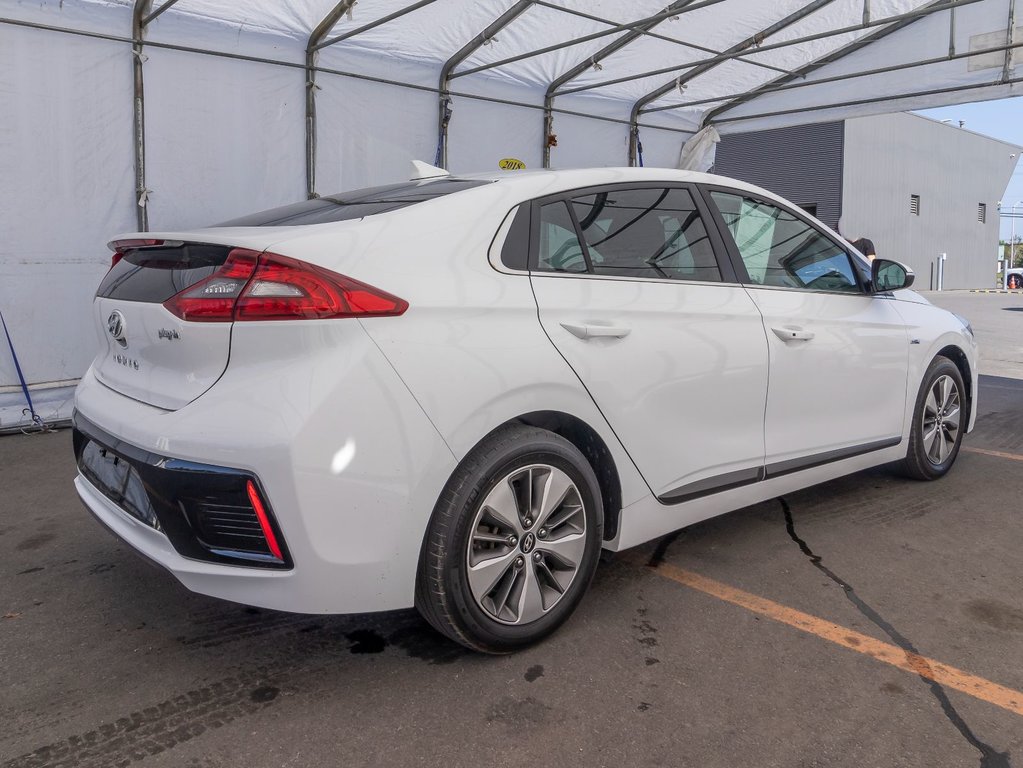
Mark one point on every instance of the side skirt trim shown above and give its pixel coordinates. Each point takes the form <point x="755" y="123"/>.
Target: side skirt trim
<point x="725" y="482"/>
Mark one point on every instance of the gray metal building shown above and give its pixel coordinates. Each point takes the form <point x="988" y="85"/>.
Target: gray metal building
<point x="915" y="186"/>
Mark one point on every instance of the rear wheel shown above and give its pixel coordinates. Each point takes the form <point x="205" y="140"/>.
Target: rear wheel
<point x="939" y="422"/>
<point x="513" y="542"/>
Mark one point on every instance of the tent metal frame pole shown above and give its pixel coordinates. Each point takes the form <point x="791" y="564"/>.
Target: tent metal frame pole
<point x="952" y="33"/>
<point x="837" y="78"/>
<point x="828" y="58"/>
<point x="940" y="5"/>
<point x="325" y="70"/>
<point x="613" y="29"/>
<point x="157" y="12"/>
<point x="755" y="39"/>
<point x="316" y="36"/>
<point x="139" y="12"/>
<point x="444" y="85"/>
<point x="875" y="100"/>
<point x="635" y="32"/>
<point x="1010" y="38"/>
<point x="373" y="24"/>
<point x="655" y="35"/>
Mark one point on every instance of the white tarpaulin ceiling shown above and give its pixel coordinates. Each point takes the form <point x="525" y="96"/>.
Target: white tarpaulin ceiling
<point x="248" y="104"/>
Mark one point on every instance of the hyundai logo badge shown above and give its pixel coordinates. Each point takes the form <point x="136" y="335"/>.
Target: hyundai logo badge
<point x="115" y="326"/>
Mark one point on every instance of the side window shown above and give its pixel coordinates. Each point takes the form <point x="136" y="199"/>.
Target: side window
<point x="654" y="233"/>
<point x="646" y="233"/>
<point x="779" y="249"/>
<point x="515" y="251"/>
<point x="560" y="250"/>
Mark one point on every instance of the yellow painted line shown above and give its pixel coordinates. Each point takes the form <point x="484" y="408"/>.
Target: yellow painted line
<point x="946" y="675"/>
<point x="987" y="452"/>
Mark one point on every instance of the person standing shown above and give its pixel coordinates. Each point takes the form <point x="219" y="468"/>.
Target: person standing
<point x="866" y="247"/>
<point x="862" y="244"/>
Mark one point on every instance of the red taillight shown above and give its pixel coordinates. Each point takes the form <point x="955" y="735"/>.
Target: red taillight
<point x="264" y="521"/>
<point x="253" y="286"/>
<point x="213" y="300"/>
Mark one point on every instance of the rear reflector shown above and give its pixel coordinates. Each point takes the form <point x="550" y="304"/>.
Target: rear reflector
<point x="254" y="286"/>
<point x="264" y="521"/>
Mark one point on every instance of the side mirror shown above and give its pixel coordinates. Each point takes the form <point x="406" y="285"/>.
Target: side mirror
<point x="888" y="275"/>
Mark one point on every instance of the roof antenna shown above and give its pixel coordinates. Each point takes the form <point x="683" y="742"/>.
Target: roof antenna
<point x="421" y="170"/>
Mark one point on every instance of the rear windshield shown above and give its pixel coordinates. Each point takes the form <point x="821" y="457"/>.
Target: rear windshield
<point x="354" y="204"/>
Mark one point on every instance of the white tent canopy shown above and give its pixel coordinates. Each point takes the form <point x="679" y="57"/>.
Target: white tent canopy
<point x="246" y="104"/>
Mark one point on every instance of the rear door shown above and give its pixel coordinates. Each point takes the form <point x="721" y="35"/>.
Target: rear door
<point x="631" y="291"/>
<point x="839" y="355"/>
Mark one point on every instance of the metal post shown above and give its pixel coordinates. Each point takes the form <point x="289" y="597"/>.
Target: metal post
<point x="322" y="30"/>
<point x="139" y="12"/>
<point x="941" y="271"/>
<point x="446" y="73"/>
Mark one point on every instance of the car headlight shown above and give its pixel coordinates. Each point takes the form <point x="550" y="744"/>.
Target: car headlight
<point x="965" y="322"/>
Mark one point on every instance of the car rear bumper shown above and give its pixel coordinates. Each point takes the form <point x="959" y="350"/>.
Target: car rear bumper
<point x="349" y="465"/>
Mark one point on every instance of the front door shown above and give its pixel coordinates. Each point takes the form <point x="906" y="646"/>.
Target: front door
<point x="838" y="355"/>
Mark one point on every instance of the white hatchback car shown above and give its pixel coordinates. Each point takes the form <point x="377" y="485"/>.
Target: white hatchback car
<point x="453" y="392"/>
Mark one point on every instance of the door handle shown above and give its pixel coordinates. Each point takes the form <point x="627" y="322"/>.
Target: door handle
<point x="589" y="331"/>
<point x="792" y="333"/>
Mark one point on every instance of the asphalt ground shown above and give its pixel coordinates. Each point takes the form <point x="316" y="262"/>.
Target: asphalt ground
<point x="870" y="621"/>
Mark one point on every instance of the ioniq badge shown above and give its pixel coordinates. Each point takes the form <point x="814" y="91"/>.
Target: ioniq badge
<point x="115" y="326"/>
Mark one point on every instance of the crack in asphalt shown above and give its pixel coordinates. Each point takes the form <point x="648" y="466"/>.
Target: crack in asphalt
<point x="990" y="757"/>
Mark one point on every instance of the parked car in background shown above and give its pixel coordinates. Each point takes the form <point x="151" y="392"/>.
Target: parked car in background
<point x="453" y="392"/>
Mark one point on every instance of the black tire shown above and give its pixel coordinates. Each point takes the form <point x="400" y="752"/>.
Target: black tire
<point x="443" y="593"/>
<point x="924" y="461"/>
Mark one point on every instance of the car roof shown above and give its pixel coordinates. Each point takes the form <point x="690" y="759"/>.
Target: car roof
<point x="556" y="180"/>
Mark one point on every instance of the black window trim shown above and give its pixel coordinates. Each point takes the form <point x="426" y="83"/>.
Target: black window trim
<point x="717" y="243"/>
<point x="739" y="266"/>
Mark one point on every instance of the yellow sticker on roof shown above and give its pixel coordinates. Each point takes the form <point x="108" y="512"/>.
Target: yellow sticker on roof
<point x="511" y="164"/>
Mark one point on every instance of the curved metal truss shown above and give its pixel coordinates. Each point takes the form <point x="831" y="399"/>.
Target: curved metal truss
<point x="720" y="108"/>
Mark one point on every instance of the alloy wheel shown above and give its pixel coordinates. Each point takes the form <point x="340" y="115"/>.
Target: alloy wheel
<point x="941" y="419"/>
<point x="526" y="544"/>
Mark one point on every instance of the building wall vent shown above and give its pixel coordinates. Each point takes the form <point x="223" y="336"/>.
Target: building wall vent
<point x="914" y="204"/>
<point x="982" y="213"/>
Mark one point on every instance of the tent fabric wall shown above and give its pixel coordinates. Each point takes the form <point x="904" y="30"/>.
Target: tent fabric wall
<point x="225" y="133"/>
<point x="60" y="198"/>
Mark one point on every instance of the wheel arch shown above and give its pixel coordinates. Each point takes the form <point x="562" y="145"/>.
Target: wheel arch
<point x="962" y="362"/>
<point x="592" y="446"/>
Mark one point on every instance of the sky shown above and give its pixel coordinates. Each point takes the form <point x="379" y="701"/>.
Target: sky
<point x="1002" y="119"/>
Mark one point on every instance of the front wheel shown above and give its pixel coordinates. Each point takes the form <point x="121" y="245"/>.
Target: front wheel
<point x="513" y="542"/>
<point x="939" y="422"/>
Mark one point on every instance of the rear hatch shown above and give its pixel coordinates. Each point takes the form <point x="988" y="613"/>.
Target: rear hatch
<point x="147" y="352"/>
<point x="166" y="308"/>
